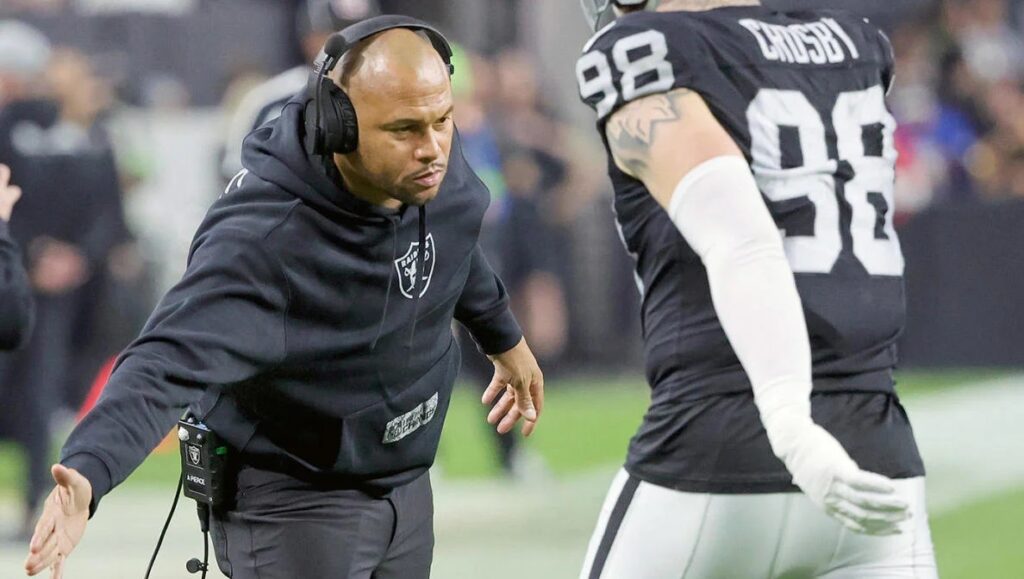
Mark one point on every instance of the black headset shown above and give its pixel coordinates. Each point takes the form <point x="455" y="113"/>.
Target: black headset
<point x="331" y="122"/>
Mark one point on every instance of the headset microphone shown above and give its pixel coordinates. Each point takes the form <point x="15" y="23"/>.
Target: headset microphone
<point x="335" y="46"/>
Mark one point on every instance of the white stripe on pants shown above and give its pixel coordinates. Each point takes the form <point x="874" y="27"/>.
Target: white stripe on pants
<point x="650" y="532"/>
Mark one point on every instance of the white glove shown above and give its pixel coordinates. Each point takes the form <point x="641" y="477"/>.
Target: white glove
<point x="862" y="501"/>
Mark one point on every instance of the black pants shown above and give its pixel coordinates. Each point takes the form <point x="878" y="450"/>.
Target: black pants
<point x="284" y="528"/>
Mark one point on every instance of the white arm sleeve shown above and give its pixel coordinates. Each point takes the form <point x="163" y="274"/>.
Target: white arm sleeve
<point x="720" y="212"/>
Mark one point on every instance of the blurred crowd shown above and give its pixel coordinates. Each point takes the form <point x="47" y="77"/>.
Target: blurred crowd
<point x="959" y="102"/>
<point x="78" y="250"/>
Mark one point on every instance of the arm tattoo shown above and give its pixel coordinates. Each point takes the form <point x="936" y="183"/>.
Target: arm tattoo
<point x="631" y="131"/>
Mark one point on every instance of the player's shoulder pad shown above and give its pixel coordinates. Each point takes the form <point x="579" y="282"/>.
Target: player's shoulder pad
<point x="863" y="32"/>
<point x="887" y="55"/>
<point x="674" y="25"/>
<point x="597" y="36"/>
<point x="639" y="54"/>
<point x="877" y="41"/>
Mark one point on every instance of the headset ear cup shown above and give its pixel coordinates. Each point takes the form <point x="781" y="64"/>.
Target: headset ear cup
<point x="341" y="127"/>
<point x="314" y="143"/>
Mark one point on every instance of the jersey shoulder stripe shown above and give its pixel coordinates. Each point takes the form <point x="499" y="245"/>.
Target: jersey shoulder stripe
<point x="597" y="35"/>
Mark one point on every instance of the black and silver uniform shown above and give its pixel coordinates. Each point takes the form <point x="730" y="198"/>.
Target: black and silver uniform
<point x="803" y="95"/>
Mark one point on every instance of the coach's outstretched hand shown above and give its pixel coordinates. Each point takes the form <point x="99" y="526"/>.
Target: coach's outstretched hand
<point x="62" y="524"/>
<point x="517" y="374"/>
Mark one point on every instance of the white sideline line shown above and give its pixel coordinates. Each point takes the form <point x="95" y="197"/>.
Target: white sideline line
<point x="971" y="439"/>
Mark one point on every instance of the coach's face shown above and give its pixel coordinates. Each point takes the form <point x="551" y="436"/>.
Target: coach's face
<point x="400" y="89"/>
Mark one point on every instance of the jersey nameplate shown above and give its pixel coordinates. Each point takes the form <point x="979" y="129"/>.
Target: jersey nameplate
<point x="818" y="42"/>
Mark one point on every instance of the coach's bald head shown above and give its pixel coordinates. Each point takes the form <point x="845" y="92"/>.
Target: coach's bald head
<point x="400" y="88"/>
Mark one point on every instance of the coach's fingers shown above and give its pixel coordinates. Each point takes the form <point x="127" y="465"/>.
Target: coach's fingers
<point x="509" y="421"/>
<point x="46" y="556"/>
<point x="538" y="400"/>
<point x="496" y="387"/>
<point x="5" y="175"/>
<point x="44" y="528"/>
<point x="73" y="488"/>
<point x="58" y="568"/>
<point x="524" y="398"/>
<point x="528" y="427"/>
<point x="501" y="408"/>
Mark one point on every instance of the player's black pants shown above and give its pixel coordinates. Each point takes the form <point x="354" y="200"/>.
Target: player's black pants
<point x="284" y="528"/>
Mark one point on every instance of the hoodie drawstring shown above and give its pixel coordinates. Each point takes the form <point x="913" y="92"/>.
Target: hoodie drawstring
<point x="421" y="260"/>
<point x="387" y="292"/>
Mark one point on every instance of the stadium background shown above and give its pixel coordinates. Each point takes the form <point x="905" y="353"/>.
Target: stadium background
<point x="173" y="70"/>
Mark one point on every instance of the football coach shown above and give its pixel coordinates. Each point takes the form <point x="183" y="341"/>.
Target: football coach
<point x="312" y="328"/>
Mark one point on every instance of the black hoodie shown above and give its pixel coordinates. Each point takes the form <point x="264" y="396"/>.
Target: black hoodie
<point x="300" y="331"/>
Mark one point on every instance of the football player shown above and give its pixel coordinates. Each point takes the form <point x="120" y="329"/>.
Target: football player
<point x="751" y="154"/>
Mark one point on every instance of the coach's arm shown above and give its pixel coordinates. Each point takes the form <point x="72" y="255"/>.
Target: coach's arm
<point x="693" y="168"/>
<point x="483" y="308"/>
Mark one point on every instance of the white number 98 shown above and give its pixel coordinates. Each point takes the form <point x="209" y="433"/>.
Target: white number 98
<point x="594" y="73"/>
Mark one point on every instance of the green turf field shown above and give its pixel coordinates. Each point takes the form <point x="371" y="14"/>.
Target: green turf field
<point x="586" y="425"/>
<point x="983" y="539"/>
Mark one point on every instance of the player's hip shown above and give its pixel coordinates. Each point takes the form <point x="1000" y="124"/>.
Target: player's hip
<point x="648" y="531"/>
<point x="718" y="444"/>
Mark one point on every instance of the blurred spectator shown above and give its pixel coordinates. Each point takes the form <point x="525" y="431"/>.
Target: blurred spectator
<point x="479" y="145"/>
<point x="959" y="104"/>
<point x="116" y="268"/>
<point x="315" y="21"/>
<point x="68" y="221"/>
<point x="24" y="53"/>
<point x="538" y="170"/>
<point x="40" y="6"/>
<point x="991" y="47"/>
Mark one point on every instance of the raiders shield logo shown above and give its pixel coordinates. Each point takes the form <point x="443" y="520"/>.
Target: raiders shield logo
<point x="409" y="280"/>
<point x="193" y="454"/>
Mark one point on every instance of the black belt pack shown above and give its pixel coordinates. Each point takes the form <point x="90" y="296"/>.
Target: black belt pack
<point x="204" y="463"/>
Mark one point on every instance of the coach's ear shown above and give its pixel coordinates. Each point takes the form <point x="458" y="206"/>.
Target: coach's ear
<point x="660" y="138"/>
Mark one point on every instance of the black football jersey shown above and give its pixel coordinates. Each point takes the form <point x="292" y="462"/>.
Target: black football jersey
<point x="803" y="95"/>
